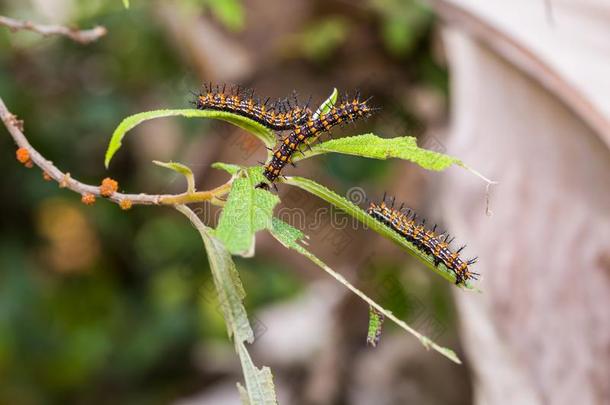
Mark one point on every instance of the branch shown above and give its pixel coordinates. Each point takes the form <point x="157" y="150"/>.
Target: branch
<point x="83" y="37"/>
<point x="30" y="156"/>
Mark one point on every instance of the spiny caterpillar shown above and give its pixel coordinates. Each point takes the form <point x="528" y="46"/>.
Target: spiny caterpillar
<point x="347" y="111"/>
<point x="280" y="116"/>
<point x="426" y="240"/>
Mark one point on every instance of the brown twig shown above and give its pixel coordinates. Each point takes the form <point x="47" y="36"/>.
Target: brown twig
<point x="81" y="36"/>
<point x="15" y="128"/>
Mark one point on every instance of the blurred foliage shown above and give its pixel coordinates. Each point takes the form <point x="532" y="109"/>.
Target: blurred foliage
<point x="120" y="301"/>
<point x="320" y="40"/>
<point x="229" y="12"/>
<point x="403" y="23"/>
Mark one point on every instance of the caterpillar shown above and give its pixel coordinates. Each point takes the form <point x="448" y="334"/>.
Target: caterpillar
<point x="279" y="116"/>
<point x="426" y="240"/>
<point x="312" y="128"/>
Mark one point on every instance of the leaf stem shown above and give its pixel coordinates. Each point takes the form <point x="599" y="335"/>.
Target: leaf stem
<point x="198" y="196"/>
<point x="425" y="341"/>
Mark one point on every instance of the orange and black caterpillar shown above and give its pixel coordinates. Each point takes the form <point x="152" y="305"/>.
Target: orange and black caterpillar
<point x="426" y="240"/>
<point x="280" y="115"/>
<point x="346" y="111"/>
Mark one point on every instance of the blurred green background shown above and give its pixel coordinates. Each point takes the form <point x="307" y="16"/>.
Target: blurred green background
<point x="98" y="305"/>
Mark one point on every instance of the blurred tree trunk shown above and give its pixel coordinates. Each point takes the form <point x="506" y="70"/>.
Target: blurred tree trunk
<point x="537" y="123"/>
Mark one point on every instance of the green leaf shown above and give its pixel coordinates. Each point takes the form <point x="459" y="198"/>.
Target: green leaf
<point x="243" y="394"/>
<point x="259" y="381"/>
<point x="182" y="169"/>
<point x="227" y="167"/>
<point x="359" y="214"/>
<point x="374" y="147"/>
<point x="375" y="325"/>
<point x="327" y="104"/>
<point x="287" y="235"/>
<point x="226" y="280"/>
<point x="126" y="3"/>
<point x="291" y="238"/>
<point x="264" y="134"/>
<point x="248" y="210"/>
<point x="230" y="289"/>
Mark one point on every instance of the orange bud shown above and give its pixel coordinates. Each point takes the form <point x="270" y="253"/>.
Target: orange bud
<point x="125" y="204"/>
<point x="46" y="176"/>
<point x="23" y="156"/>
<point x="108" y="187"/>
<point x="88" y="199"/>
